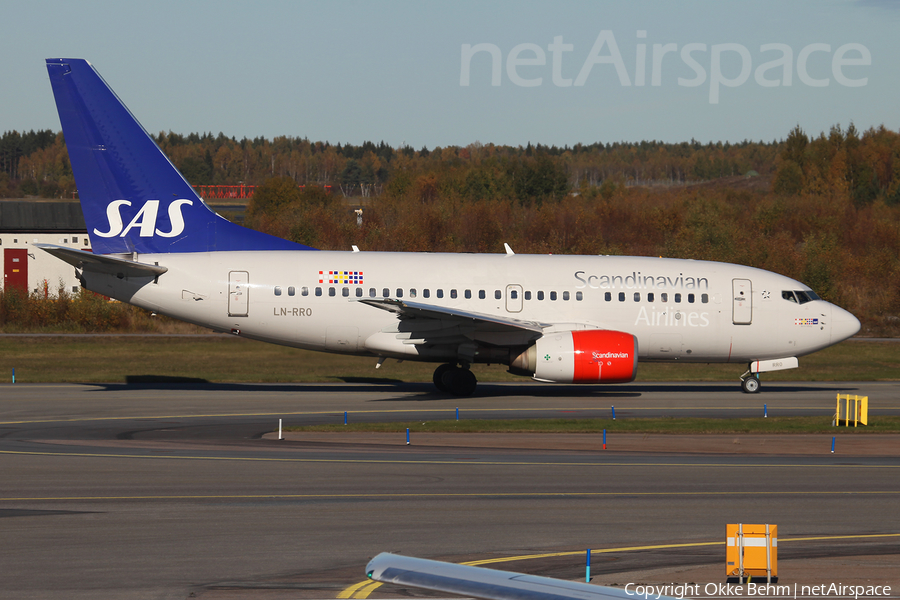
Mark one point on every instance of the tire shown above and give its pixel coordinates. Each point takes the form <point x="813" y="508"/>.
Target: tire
<point x="465" y="383"/>
<point x="438" y="377"/>
<point x="750" y="385"/>
<point x="459" y="382"/>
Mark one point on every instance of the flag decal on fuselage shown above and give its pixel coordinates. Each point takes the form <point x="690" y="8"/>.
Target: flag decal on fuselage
<point x="341" y="277"/>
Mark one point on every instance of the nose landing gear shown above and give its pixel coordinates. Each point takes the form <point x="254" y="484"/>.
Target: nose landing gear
<point x="459" y="381"/>
<point x="750" y="382"/>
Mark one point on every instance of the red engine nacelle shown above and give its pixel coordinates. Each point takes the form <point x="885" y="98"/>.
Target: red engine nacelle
<point x="588" y="356"/>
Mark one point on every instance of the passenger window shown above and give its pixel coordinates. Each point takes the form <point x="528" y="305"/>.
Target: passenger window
<point x="386" y="293"/>
<point x="468" y="294"/>
<point x="318" y="291"/>
<point x="412" y="293"/>
<point x="481" y="295"/>
<point x="704" y="298"/>
<point x="579" y="296"/>
<point x="621" y="296"/>
<point x="359" y="292"/>
<point x="637" y="296"/>
<point x="514" y="294"/>
<point x="607" y="296"/>
<point x="565" y="295"/>
<point x="291" y="291"/>
<point x="345" y="292"/>
<point x="677" y="297"/>
<point x="528" y="295"/>
<point x="497" y="294"/>
<point x="788" y="295"/>
<point x="649" y="296"/>
<point x="540" y="295"/>
<point x="553" y="296"/>
<point x="664" y="297"/>
<point x="453" y="294"/>
<point x="372" y="293"/>
<point x="399" y="292"/>
<point x="440" y="293"/>
<point x="426" y="293"/>
<point x="690" y="298"/>
<point x="304" y="291"/>
<point x="277" y="290"/>
<point x="331" y="292"/>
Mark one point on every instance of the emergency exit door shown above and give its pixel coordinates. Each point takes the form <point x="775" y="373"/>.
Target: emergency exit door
<point x="742" y="302"/>
<point x="514" y="298"/>
<point x="15" y="268"/>
<point x="238" y="293"/>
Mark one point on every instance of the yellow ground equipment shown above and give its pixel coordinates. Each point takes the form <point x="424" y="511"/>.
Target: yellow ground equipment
<point x="751" y="551"/>
<point x="851" y="408"/>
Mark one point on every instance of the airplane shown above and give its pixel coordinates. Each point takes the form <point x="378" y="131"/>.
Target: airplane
<point x="494" y="584"/>
<point x="555" y="318"/>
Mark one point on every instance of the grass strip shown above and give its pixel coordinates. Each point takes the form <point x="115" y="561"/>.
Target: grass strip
<point x="235" y="360"/>
<point x="771" y="425"/>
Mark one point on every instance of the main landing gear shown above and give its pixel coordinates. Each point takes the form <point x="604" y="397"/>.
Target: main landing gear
<point x="459" y="381"/>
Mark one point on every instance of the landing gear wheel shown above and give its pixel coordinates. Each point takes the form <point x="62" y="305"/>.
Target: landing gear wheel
<point x="750" y="385"/>
<point x="465" y="383"/>
<point x="438" y="377"/>
<point x="457" y="381"/>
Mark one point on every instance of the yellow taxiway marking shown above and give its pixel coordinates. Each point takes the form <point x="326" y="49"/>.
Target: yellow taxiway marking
<point x="361" y="590"/>
<point x="445" y="495"/>
<point x="348" y="592"/>
<point x="406" y="410"/>
<point x="449" y="462"/>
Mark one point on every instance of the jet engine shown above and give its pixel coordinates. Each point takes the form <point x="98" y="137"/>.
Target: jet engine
<point x="586" y="356"/>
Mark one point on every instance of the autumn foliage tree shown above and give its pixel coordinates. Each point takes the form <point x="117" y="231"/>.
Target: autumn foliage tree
<point x="823" y="209"/>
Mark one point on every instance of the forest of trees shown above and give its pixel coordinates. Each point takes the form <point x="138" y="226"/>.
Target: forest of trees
<point x="823" y="209"/>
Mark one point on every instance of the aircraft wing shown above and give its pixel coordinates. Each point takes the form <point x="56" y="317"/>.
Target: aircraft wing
<point x="425" y="324"/>
<point x="478" y="582"/>
<point x="102" y="263"/>
<point x="413" y="310"/>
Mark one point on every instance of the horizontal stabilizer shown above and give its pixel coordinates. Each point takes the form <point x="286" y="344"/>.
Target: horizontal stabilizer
<point x="100" y="263"/>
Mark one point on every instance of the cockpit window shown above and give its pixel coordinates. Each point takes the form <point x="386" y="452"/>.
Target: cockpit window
<point x="799" y="296"/>
<point x="802" y="297"/>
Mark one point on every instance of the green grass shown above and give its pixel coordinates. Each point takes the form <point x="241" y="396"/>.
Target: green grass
<point x="228" y="359"/>
<point x="772" y="425"/>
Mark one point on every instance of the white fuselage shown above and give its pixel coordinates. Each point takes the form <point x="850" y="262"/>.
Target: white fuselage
<point x="680" y="310"/>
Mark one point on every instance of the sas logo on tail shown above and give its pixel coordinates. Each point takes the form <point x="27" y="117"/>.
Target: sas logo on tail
<point x="144" y="221"/>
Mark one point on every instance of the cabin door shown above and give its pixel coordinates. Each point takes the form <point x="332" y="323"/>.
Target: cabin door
<point x="238" y="293"/>
<point x="743" y="301"/>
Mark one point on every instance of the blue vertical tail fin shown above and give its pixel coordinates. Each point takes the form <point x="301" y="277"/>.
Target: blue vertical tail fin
<point x="132" y="196"/>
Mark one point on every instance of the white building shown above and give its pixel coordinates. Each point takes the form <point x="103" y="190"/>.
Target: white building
<point x="26" y="222"/>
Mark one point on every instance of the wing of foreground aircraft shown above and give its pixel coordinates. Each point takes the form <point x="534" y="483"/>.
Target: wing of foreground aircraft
<point x="478" y="582"/>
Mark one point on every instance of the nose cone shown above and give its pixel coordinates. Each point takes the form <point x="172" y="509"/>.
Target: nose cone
<point x="843" y="325"/>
